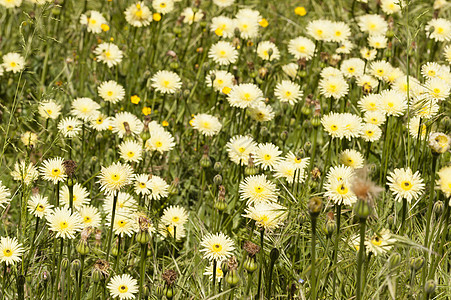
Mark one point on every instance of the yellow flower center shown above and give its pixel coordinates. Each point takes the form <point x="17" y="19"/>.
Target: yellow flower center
<point x="406" y="185"/>
<point x="40" y="208"/>
<point x="162" y="4"/>
<point x="287" y="93"/>
<point x="139" y="13"/>
<point x="332" y="88"/>
<point x="436" y="91"/>
<point x="107" y="54"/>
<point x="216" y="248"/>
<point x="142" y="185"/>
<point x="158" y="144"/>
<point x="351" y="70"/>
<point x="301" y="49"/>
<point x="115" y="177"/>
<point x="219" y="81"/>
<point x="49" y="111"/>
<point x="70" y="127"/>
<point x="369" y="133"/>
<point x="258" y="189"/>
<point x="64" y="225"/>
<point x="247" y="96"/>
<point x="166" y="83"/>
<point x="56" y="172"/>
<point x="376" y="241"/>
<point x="87" y="219"/>
<point x="175" y="219"/>
<point x="109" y="93"/>
<point x="122" y="289"/>
<point x="99" y="120"/>
<point x="334" y="127"/>
<point x="241" y="149"/>
<point x="342" y="189"/>
<point x="431" y="73"/>
<point x="130" y="154"/>
<point x="7" y="252"/>
<point x="222" y="53"/>
<point x="267" y="157"/>
<point x="121" y="223"/>
<point x="439" y="29"/>
<point x="13" y="64"/>
<point x="264" y="219"/>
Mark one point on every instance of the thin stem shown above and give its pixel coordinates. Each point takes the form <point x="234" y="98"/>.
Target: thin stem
<point x="262" y="256"/>
<point x="110" y="233"/>
<point x="360" y="259"/>
<point x="335" y="253"/>
<point x="313" y="257"/>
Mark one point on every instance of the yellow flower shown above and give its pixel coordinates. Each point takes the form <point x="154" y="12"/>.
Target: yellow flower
<point x="263" y="23"/>
<point x="165" y="123"/>
<point x="135" y="99"/>
<point x="300" y="11"/>
<point x="191" y="122"/>
<point x="219" y="31"/>
<point x="146" y="110"/>
<point x="226" y="90"/>
<point x="112" y="39"/>
<point x="105" y="27"/>
<point x="156" y="17"/>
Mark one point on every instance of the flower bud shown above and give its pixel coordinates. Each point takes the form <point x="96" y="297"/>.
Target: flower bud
<point x="82" y="247"/>
<point x="274" y="254"/>
<point x="76" y="265"/>
<point x="96" y="275"/>
<point x="416" y="263"/>
<point x="143" y="237"/>
<point x="168" y="292"/>
<point x="250" y="264"/>
<point x="264" y="131"/>
<point x="217" y="180"/>
<point x="232" y="277"/>
<point x="146" y="291"/>
<point x="430" y="286"/>
<point x="218" y="166"/>
<point x="394" y="260"/>
<point x="307" y="146"/>
<point x="314" y="206"/>
<point x="391" y="221"/>
<point x="306" y="110"/>
<point x="159" y="291"/>
<point x="361" y="209"/>
<point x="316" y="121"/>
<point x="220" y="205"/>
<point x="283" y="135"/>
<point x="250" y="170"/>
<point x="64" y="263"/>
<point x="438" y="208"/>
<point x="330" y="227"/>
<point x="114" y="251"/>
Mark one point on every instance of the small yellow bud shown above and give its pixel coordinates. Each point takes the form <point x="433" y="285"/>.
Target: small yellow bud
<point x="165" y="123"/>
<point x="135" y="99"/>
<point x="263" y="23"/>
<point x="300" y="11"/>
<point x="156" y="17"/>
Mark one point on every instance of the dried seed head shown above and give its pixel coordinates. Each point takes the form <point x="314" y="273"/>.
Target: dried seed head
<point x="86" y="233"/>
<point x="251" y="248"/>
<point x="144" y="223"/>
<point x="315" y="205"/>
<point x="103" y="266"/>
<point x="169" y="276"/>
<point x="232" y="263"/>
<point x="69" y="167"/>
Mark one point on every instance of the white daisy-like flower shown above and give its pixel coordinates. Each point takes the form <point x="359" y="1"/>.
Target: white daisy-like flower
<point x="171" y="231"/>
<point x="380" y="243"/>
<point x="267" y="155"/>
<point x="80" y="195"/>
<point x="345" y="47"/>
<point x="287" y="91"/>
<point x="223" y="26"/>
<point x="370" y="102"/>
<point x="223" y="53"/>
<point x="440" y="29"/>
<point x="10" y="250"/>
<point x="301" y="47"/>
<point x="166" y="82"/>
<point x="380" y="69"/>
<point x="175" y="216"/>
<point x="85" y="108"/>
<point x="353" y="67"/>
<point x="239" y="148"/>
<point x="351" y="158"/>
<point x="158" y="187"/>
<point x="290" y="69"/>
<point x="367" y="80"/>
<point x="39" y="205"/>
<point x="405" y="184"/>
<point x="130" y="151"/>
<point x="53" y="170"/>
<point x="368" y="54"/>
<point x="352" y="124"/>
<point x="163" y="6"/>
<point x="267" y="215"/>
<point x="124" y="224"/>
<point x="11" y="3"/>
<point x="333" y="124"/>
<point x="115" y="177"/>
<point x="331" y="72"/>
<point x="125" y="204"/>
<point x="430" y="70"/>
<point x="413" y="87"/>
<point x="377" y="41"/>
<point x="90" y="216"/>
<point x="219" y="79"/>
<point x="444" y="181"/>
<point x="289" y="171"/>
<point x="206" y="124"/>
<point x="101" y="122"/>
<point x="111" y="91"/>
<point x="123" y="286"/>
<point x="268" y="51"/>
<point x="261" y="112"/>
<point x="335" y="87"/>
<point x="373" y="24"/>
<point x="256" y="189"/>
<point x="93" y="20"/>
<point x="160" y="140"/>
<point x="223" y="3"/>
<point x="247" y="21"/>
<point x="437" y="88"/>
<point x="109" y="54"/>
<point x="125" y="123"/>
<point x="13" y="62"/>
<point x="190" y="17"/>
<point x="414" y="128"/>
<point x="393" y="75"/>
<point x="219" y="272"/>
<point x="65" y="223"/>
<point x="217" y="246"/>
<point x="25" y="173"/>
<point x="321" y="30"/>
<point x="142" y="184"/>
<point x="340" y="191"/>
<point x="391" y="6"/>
<point x="245" y="95"/>
<point x="69" y="127"/>
<point x="340" y="32"/>
<point x="371" y="132"/>
<point x="29" y="138"/>
<point x="377" y="117"/>
<point x="4" y="195"/>
<point x="49" y="109"/>
<point x="138" y="14"/>
<point x="392" y="103"/>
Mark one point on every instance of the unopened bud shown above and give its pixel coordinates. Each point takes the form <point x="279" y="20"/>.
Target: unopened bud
<point x="430" y="286"/>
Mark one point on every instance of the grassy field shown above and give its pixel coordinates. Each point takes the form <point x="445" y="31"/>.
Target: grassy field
<point x="225" y="149"/>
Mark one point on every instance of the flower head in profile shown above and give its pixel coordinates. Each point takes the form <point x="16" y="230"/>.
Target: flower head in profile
<point x="175" y="216"/>
<point x="206" y="124"/>
<point x="267" y="215"/>
<point x="64" y="223"/>
<point x="4" y="195"/>
<point x="123" y="286"/>
<point x="10" y="250"/>
<point x="115" y="177"/>
<point x="190" y="16"/>
<point x="405" y="184"/>
<point x="256" y="189"/>
<point x="380" y="243"/>
<point x="53" y="170"/>
<point x="13" y="62"/>
<point x="217" y="246"/>
<point x="239" y="148"/>
<point x="25" y="173"/>
<point x="138" y="14"/>
<point x="166" y="82"/>
<point x="109" y="54"/>
<point x="444" y="181"/>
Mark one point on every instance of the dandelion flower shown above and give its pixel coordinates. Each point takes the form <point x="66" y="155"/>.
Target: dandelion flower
<point x="163" y="6"/>
<point x="190" y="17"/>
<point x="321" y="30"/>
<point x="219" y="272"/>
<point x="371" y="132"/>
<point x="440" y="29"/>
<point x="390" y="6"/>
<point x="64" y="223"/>
<point x="380" y="69"/>
<point x="335" y="87"/>
<point x="160" y="141"/>
<point x="123" y="286"/>
<point x="219" y="79"/>
<point x="223" y="26"/>
<point x="340" y="32"/>
<point x="353" y="67"/>
<point x="370" y="102"/>
<point x="392" y="103"/>
<point x="261" y="112"/>
<point x="437" y="89"/>
<point x="340" y="191"/>
<point x="101" y="122"/>
<point x="10" y="250"/>
<point x="217" y="246"/>
<point x="123" y="224"/>
<point x="375" y="117"/>
<point x="333" y="125"/>
<point x="85" y="108"/>
<point x="373" y="24"/>
<point x="405" y="185"/>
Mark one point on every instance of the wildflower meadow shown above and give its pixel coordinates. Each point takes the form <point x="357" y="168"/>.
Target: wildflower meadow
<point x="225" y="149"/>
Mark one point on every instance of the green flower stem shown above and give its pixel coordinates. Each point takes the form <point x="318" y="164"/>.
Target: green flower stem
<point x="58" y="271"/>
<point x="110" y="233"/>
<point x="262" y="258"/>
<point x="403" y="216"/>
<point x="360" y="259"/>
<point x="118" y="256"/>
<point x="335" y="253"/>
<point x="80" y="277"/>
<point x="142" y="265"/>
<point x="313" y="257"/>
<point x="214" y="275"/>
